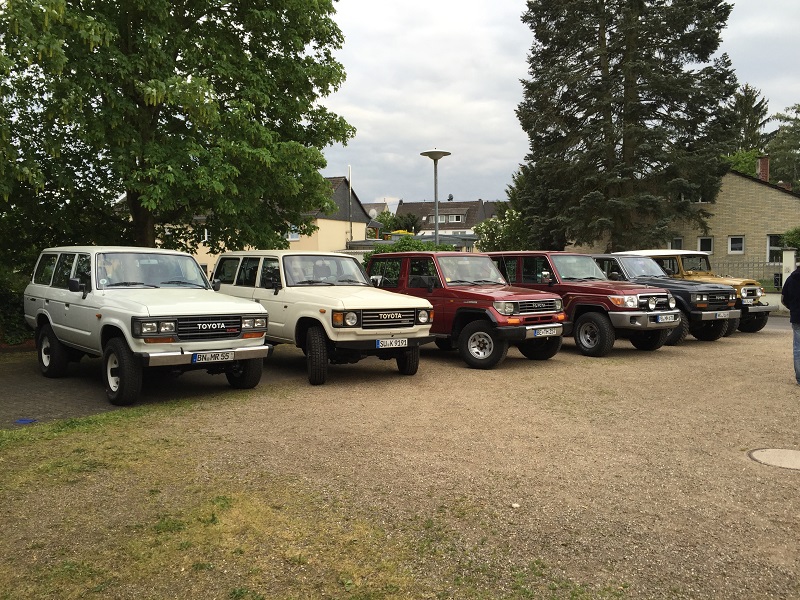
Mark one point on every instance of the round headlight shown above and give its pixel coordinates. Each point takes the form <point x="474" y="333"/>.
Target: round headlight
<point x="651" y="303"/>
<point x="422" y="316"/>
<point x="672" y="302"/>
<point x="350" y="319"/>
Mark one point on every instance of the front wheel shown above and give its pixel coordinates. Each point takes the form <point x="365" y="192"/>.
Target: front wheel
<point x="480" y="346"/>
<point x="122" y="373"/>
<point x="754" y="322"/>
<point x="408" y="361"/>
<point x="52" y="354"/>
<point x="316" y="355"/>
<point x="709" y="331"/>
<point x="677" y="334"/>
<point x="650" y="340"/>
<point x="245" y="374"/>
<point x="543" y="349"/>
<point x="733" y="325"/>
<point x="594" y="334"/>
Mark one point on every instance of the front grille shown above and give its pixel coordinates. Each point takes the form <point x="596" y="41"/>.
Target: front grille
<point x="387" y="319"/>
<point x="662" y="301"/>
<point x="536" y="306"/>
<point x="209" y="328"/>
<point x="718" y="301"/>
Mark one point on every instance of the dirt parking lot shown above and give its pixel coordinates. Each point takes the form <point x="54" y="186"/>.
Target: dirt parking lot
<point x="630" y="469"/>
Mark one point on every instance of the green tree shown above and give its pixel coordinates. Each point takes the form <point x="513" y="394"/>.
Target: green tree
<point x="194" y="107"/>
<point x="626" y="114"/>
<point x="750" y="113"/>
<point x="791" y="239"/>
<point x="505" y="231"/>
<point x="784" y="149"/>
<point x="408" y="244"/>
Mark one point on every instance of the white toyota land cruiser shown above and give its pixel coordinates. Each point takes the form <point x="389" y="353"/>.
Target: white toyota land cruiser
<point x="323" y="303"/>
<point x="140" y="307"/>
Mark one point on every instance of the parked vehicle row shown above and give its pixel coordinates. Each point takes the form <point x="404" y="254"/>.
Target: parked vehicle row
<point x="141" y="308"/>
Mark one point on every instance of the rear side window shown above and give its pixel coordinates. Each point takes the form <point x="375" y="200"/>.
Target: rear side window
<point x="226" y="269"/>
<point x="63" y="270"/>
<point x="507" y="267"/>
<point x="44" y="269"/>
<point x="386" y="271"/>
<point x="248" y="271"/>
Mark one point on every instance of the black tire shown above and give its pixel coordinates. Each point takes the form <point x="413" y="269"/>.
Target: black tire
<point x="317" y="355"/>
<point x="245" y="374"/>
<point x="444" y="344"/>
<point x="408" y="361"/>
<point x="122" y="373"/>
<point x="480" y="347"/>
<point x="594" y="334"/>
<point x="753" y="323"/>
<point x="650" y="340"/>
<point x="543" y="349"/>
<point x="733" y="325"/>
<point x="709" y="331"/>
<point x="679" y="333"/>
<point x="52" y="354"/>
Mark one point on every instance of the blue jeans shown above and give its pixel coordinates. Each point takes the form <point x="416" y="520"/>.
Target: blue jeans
<point x="796" y="349"/>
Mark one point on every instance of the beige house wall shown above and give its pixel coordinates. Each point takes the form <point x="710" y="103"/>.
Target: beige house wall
<point x="331" y="236"/>
<point x="747" y="208"/>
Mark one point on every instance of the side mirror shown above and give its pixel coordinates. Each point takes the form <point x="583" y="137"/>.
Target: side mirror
<point x="271" y="283"/>
<point x="669" y="271"/>
<point x="216" y="284"/>
<point x="376" y="280"/>
<point x="546" y="278"/>
<point x="614" y="276"/>
<point x="75" y="285"/>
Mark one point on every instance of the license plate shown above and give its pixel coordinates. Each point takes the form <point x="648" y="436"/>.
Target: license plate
<point x="666" y="318"/>
<point x="393" y="343"/>
<point x="747" y="300"/>
<point x="550" y="331"/>
<point x="204" y="357"/>
<point x="723" y="315"/>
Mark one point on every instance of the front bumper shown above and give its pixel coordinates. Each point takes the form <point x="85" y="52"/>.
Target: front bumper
<point x="756" y="308"/>
<point x="371" y="346"/>
<point x="529" y="332"/>
<point x="178" y="358"/>
<point x="644" y="320"/>
<point x="713" y="315"/>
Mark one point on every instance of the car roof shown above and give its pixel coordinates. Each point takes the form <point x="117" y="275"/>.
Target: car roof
<point x="99" y="249"/>
<point x="662" y="252"/>
<point x="281" y="253"/>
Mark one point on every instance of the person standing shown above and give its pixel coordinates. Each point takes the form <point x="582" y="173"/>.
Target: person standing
<point x="790" y="298"/>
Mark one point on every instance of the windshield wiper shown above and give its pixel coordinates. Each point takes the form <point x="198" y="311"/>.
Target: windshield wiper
<point x="130" y="283"/>
<point x="182" y="282"/>
<point x="489" y="281"/>
<point x="353" y="281"/>
<point x="314" y="282"/>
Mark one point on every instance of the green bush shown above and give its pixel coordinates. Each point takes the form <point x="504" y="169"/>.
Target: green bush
<point x="408" y="244"/>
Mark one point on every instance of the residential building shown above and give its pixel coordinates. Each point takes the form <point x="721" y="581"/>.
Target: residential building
<point x="455" y="218"/>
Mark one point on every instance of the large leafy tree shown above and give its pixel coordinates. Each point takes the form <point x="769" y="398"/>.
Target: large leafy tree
<point x="196" y="109"/>
<point x="626" y="113"/>
<point x="784" y="149"/>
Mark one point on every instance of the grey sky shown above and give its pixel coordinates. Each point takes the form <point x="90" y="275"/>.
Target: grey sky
<point x="446" y="73"/>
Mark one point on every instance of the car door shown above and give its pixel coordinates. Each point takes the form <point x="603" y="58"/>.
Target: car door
<point x="272" y="292"/>
<point x="82" y="311"/>
<point x="424" y="281"/>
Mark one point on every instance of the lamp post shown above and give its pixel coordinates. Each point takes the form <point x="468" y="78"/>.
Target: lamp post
<point x="435" y="155"/>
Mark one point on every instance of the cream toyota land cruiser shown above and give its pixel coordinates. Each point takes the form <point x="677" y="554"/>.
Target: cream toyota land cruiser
<point x="137" y="308"/>
<point x="323" y="303"/>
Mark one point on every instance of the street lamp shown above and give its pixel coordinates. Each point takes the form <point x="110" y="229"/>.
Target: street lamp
<point x="435" y="155"/>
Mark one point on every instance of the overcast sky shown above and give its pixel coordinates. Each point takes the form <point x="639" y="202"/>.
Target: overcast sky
<point x="446" y="73"/>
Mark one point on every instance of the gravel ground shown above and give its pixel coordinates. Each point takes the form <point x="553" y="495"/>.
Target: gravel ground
<point x="630" y="469"/>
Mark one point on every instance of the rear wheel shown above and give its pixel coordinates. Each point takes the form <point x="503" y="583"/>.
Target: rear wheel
<point x="708" y="331"/>
<point x="317" y="355"/>
<point x="540" y="349"/>
<point x="754" y="322"/>
<point x="650" y="340"/>
<point x="408" y="361"/>
<point x="679" y="333"/>
<point x="594" y="334"/>
<point x="245" y="374"/>
<point x="480" y="347"/>
<point x="52" y="354"/>
<point x="122" y="373"/>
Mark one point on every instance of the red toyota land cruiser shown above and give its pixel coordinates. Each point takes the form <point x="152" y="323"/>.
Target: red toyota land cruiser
<point x="476" y="310"/>
<point x="600" y="309"/>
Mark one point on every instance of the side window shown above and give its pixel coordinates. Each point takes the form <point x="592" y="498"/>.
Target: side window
<point x="605" y="265"/>
<point x="83" y="270"/>
<point x="270" y="273"/>
<point x="670" y="265"/>
<point x="226" y="269"/>
<point x="63" y="270"/>
<point x="507" y="267"/>
<point x="45" y="268"/>
<point x="248" y="271"/>
<point x="422" y="274"/>
<point x="387" y="271"/>
<point x="533" y="267"/>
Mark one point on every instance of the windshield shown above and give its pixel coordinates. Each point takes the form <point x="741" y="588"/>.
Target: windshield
<point x="642" y="266"/>
<point x="470" y="270"/>
<point x="696" y="262"/>
<point x="148" y="269"/>
<point x="576" y="266"/>
<point x="310" y="269"/>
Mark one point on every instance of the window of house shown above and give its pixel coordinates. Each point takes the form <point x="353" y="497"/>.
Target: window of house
<point x="454" y="218"/>
<point x="736" y="244"/>
<point x="442" y="218"/>
<point x="293" y="235"/>
<point x="705" y="244"/>
<point x="774" y="249"/>
<point x="676" y="243"/>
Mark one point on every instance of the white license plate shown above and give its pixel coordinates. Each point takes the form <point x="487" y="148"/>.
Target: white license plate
<point x="393" y="343"/>
<point x="666" y="318"/>
<point x="747" y="300"/>
<point x="723" y="314"/>
<point x="550" y="331"/>
<point x="204" y="357"/>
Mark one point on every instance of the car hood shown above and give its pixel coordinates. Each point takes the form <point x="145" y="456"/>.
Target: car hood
<point x="356" y="297"/>
<point x="158" y="302"/>
<point x="595" y="286"/>
<point x="684" y="284"/>
<point x="507" y="293"/>
<point x="711" y="278"/>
